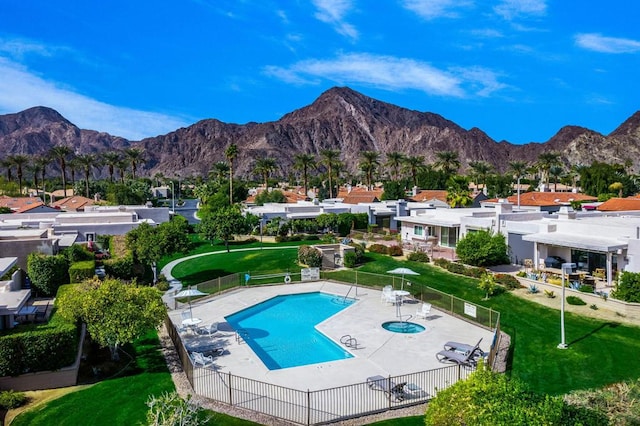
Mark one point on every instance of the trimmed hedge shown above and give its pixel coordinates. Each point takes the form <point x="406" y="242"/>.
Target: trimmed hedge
<point x="509" y="281"/>
<point x="379" y="248"/>
<point x="47" y="273"/>
<point x="350" y="259"/>
<point x="79" y="271"/>
<point x="395" y="251"/>
<point x="310" y="256"/>
<point x="121" y="267"/>
<point x="575" y="300"/>
<point x="418" y="256"/>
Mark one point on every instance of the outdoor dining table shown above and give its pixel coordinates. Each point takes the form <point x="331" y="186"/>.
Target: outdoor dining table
<point x="191" y="323"/>
<point x="400" y="294"/>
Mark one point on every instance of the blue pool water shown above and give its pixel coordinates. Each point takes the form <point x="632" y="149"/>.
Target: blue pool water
<point x="281" y="330"/>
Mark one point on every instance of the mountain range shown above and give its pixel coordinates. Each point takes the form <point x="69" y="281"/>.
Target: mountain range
<point x="339" y="118"/>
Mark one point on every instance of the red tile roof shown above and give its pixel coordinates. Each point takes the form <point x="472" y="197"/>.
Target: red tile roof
<point x="360" y="197"/>
<point x="292" y="197"/>
<point x="620" y="204"/>
<point x="543" y="199"/>
<point x="431" y="194"/>
<point x="20" y="204"/>
<point x="74" y="203"/>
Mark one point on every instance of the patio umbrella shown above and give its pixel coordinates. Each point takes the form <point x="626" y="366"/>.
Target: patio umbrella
<point x="403" y="272"/>
<point x="189" y="293"/>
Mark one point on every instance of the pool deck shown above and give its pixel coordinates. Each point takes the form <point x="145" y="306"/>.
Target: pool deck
<point x="379" y="352"/>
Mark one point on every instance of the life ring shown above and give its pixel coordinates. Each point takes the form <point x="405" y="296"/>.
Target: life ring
<point x="287" y="279"/>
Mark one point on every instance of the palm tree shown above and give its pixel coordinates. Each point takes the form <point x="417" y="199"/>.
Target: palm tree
<point x="304" y="162"/>
<point x="458" y="194"/>
<point x="86" y="162"/>
<point x="134" y="156"/>
<point x="556" y="172"/>
<point x="34" y="168"/>
<point x="394" y="161"/>
<point x="447" y="161"/>
<point x="8" y="165"/>
<point x="518" y="169"/>
<point x="414" y="165"/>
<point x="369" y="160"/>
<point x="19" y="161"/>
<point x="545" y="161"/>
<point x="480" y="171"/>
<point x="122" y="168"/>
<point x="329" y="158"/>
<point x="42" y="162"/>
<point x="61" y="152"/>
<point x="111" y="158"/>
<point x="264" y="167"/>
<point x="73" y="165"/>
<point x="220" y="171"/>
<point x="231" y="153"/>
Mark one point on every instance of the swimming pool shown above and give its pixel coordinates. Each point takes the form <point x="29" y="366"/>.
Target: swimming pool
<point x="281" y="331"/>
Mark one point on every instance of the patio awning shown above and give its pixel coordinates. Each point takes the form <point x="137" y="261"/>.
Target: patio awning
<point x="583" y="242"/>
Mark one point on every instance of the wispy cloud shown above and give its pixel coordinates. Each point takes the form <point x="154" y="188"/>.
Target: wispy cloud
<point x="600" y="43"/>
<point x="18" y="48"/>
<point x="511" y="9"/>
<point x="487" y="33"/>
<point x="431" y="9"/>
<point x="21" y="89"/>
<point x="391" y="73"/>
<point x="333" y="12"/>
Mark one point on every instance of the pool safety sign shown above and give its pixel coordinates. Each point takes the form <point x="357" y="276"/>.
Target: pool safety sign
<point x="470" y="309"/>
<point x="310" y="274"/>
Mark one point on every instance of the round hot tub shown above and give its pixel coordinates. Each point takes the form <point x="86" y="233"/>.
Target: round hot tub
<point x="403" y="327"/>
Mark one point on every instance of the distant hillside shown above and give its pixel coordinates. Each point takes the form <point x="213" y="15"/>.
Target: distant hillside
<point x="340" y="118"/>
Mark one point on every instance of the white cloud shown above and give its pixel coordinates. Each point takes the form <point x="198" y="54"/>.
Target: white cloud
<point x="600" y="43"/>
<point x="487" y="33"/>
<point x="21" y="89"/>
<point x="391" y="73"/>
<point x="333" y="12"/>
<point x="510" y="9"/>
<point x="431" y="9"/>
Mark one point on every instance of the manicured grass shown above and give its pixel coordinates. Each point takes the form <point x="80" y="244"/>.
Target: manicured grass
<point x="403" y="421"/>
<point x="599" y="353"/>
<point x="116" y="401"/>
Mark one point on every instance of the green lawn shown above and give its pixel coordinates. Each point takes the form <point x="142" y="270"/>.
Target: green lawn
<point x="600" y="353"/>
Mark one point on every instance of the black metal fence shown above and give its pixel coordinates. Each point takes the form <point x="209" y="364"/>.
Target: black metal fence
<point x="314" y="407"/>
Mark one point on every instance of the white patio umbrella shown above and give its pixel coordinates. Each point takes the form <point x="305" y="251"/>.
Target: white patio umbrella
<point x="189" y="293"/>
<point x="403" y="272"/>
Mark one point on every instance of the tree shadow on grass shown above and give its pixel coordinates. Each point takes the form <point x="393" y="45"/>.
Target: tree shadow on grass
<point x="594" y="331"/>
<point x="202" y="276"/>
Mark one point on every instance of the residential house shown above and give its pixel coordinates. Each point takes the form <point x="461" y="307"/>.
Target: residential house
<point x="75" y="203"/>
<point x="13" y="298"/>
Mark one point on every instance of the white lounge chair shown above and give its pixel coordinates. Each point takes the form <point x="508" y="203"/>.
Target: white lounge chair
<point x="211" y="330"/>
<point x="386" y="291"/>
<point x="388" y="386"/>
<point x="424" y="311"/>
<point x="201" y="360"/>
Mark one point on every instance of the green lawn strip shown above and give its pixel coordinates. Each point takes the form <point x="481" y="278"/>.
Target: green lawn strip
<point x="402" y="421"/>
<point x="116" y="401"/>
<point x="599" y="354"/>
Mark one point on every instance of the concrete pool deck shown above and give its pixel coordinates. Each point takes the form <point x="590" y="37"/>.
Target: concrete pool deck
<point x="380" y="352"/>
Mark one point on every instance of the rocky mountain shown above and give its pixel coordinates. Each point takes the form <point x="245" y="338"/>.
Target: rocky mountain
<point x="340" y="118"/>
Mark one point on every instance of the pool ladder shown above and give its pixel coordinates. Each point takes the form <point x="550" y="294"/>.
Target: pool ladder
<point x="241" y="335"/>
<point x="349" y="341"/>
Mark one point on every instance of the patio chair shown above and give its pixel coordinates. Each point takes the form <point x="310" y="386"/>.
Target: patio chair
<point x="186" y="315"/>
<point x="460" y="347"/>
<point x="386" y="290"/>
<point x="211" y="330"/>
<point x="201" y="360"/>
<point x="391" y="298"/>
<point x="388" y="386"/>
<point x="424" y="311"/>
<point x="468" y="358"/>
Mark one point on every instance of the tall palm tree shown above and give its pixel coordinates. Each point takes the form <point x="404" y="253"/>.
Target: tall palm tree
<point x="480" y="171"/>
<point x="458" y="194"/>
<point x="122" y="168"/>
<point x="545" y="161"/>
<point x="60" y="153"/>
<point x="19" y="161"/>
<point x="304" y="162"/>
<point x="264" y="167"/>
<point x="447" y="161"/>
<point x="8" y="166"/>
<point x="394" y="161"/>
<point x="220" y="171"/>
<point x="369" y="160"/>
<point x="34" y="168"/>
<point x="518" y="169"/>
<point x="43" y="161"/>
<point x="73" y="165"/>
<point x="556" y="172"/>
<point x="414" y="165"/>
<point x="329" y="158"/>
<point x="86" y="162"/>
<point x="110" y="159"/>
<point x="134" y="156"/>
<point x="231" y="153"/>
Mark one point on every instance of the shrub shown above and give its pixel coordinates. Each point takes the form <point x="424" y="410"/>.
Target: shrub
<point x="585" y="289"/>
<point x="12" y="399"/>
<point x="309" y="256"/>
<point x="594" y="307"/>
<point x="481" y="248"/>
<point x="395" y="251"/>
<point x="162" y="284"/>
<point x="281" y="238"/>
<point x="79" y="271"/>
<point x="441" y="262"/>
<point x="121" y="267"/>
<point x="418" y="256"/>
<point x="508" y="281"/>
<point x="350" y="259"/>
<point x="77" y="252"/>
<point x="456" y="268"/>
<point x="487" y="284"/>
<point x="628" y="288"/>
<point x="310" y="238"/>
<point x="359" y="250"/>
<point x="575" y="300"/>
<point x="550" y="294"/>
<point x="47" y="273"/>
<point x="473" y="272"/>
<point x="521" y="274"/>
<point x="378" y="248"/>
<point x="328" y="238"/>
<point x="533" y="289"/>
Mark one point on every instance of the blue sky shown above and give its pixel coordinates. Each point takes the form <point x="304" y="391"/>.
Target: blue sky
<point x="517" y="69"/>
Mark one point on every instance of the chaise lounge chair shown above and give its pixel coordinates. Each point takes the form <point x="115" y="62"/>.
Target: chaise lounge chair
<point x="460" y="347"/>
<point x="468" y="358"/>
<point x="388" y="386"/>
<point x="201" y="360"/>
<point x="424" y="311"/>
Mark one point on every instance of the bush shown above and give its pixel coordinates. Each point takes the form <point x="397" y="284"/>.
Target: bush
<point x="328" y="238"/>
<point x="309" y="256"/>
<point x="47" y="273"/>
<point x="574" y="300"/>
<point x="378" y="248"/>
<point x="508" y="281"/>
<point x="441" y="262"/>
<point x="521" y="274"/>
<point x="350" y="259"/>
<point x="418" y="256"/>
<point x="77" y="253"/>
<point x="310" y="238"/>
<point x="481" y="248"/>
<point x="585" y="289"/>
<point x="473" y="272"/>
<point x="12" y="399"/>
<point x="162" y="284"/>
<point x="395" y="251"/>
<point x="359" y="250"/>
<point x="121" y="268"/>
<point x="79" y="271"/>
<point x="456" y="268"/>
<point x="628" y="288"/>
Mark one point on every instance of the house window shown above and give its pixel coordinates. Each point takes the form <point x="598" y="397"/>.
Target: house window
<point x="417" y="230"/>
<point x="448" y="237"/>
